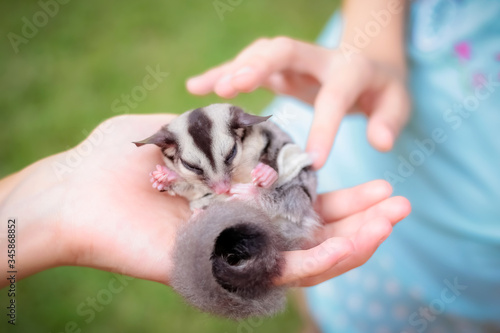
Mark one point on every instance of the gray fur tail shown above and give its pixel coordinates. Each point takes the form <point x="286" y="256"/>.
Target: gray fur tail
<point x="228" y="271"/>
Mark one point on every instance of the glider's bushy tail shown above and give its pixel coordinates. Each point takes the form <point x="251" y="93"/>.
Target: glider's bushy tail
<point x="225" y="259"/>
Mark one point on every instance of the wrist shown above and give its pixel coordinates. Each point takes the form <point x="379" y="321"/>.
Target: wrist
<point x="376" y="31"/>
<point x="32" y="197"/>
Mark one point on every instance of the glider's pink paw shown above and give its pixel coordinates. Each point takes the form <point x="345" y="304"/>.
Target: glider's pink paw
<point x="243" y="192"/>
<point x="162" y="177"/>
<point x="264" y="176"/>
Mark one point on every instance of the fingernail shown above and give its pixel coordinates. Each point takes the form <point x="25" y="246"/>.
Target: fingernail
<point x="244" y="70"/>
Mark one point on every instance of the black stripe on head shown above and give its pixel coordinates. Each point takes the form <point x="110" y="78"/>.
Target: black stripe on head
<point x="269" y="154"/>
<point x="200" y="129"/>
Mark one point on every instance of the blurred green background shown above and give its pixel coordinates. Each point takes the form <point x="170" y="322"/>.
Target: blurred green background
<point x="61" y="84"/>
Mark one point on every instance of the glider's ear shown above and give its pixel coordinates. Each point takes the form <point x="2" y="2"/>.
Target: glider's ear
<point x="163" y="139"/>
<point x="242" y="119"/>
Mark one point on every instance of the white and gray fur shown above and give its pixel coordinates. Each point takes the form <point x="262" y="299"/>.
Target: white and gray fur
<point x="227" y="256"/>
<point x="197" y="143"/>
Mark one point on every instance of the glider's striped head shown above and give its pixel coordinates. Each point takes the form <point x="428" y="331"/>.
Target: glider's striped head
<point x="204" y="145"/>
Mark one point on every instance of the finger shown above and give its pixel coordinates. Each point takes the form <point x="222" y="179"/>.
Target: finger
<point x="302" y="86"/>
<point x="388" y="118"/>
<point x="257" y="63"/>
<point x="281" y="54"/>
<point x="304" y="264"/>
<point x="251" y="68"/>
<point x="204" y="83"/>
<point x="338" y="95"/>
<point x="224" y="86"/>
<point x="392" y="209"/>
<point x="365" y="243"/>
<point x="339" y="204"/>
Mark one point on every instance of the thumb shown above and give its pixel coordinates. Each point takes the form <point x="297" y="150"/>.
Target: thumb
<point x="308" y="264"/>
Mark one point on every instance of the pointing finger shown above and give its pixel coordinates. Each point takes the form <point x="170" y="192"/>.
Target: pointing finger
<point x="338" y="95"/>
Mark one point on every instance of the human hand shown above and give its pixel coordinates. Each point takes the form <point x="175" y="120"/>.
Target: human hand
<point x="325" y="78"/>
<point x="357" y="221"/>
<point x="102" y="212"/>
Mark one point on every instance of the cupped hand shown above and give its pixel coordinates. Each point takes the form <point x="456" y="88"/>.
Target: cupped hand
<point x="116" y="219"/>
<point x="94" y="206"/>
<point x="357" y="220"/>
<point x="334" y="82"/>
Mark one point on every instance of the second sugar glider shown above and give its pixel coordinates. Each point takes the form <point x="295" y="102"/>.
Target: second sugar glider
<point x="252" y="190"/>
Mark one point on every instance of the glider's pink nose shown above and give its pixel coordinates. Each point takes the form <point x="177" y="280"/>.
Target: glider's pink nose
<point x="221" y="187"/>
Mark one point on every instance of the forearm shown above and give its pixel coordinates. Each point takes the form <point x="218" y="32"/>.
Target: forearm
<point x="7" y="184"/>
<point x="376" y="29"/>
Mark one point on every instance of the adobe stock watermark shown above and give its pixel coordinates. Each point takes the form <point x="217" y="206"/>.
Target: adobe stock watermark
<point x="88" y="308"/>
<point x="73" y="158"/>
<point x="284" y="116"/>
<point x="363" y="36"/>
<point x="453" y="118"/>
<point x="150" y="82"/>
<point x="31" y="26"/>
<point x="223" y="6"/>
<point x="422" y="318"/>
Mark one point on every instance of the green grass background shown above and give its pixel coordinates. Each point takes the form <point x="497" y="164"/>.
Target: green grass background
<point x="61" y="84"/>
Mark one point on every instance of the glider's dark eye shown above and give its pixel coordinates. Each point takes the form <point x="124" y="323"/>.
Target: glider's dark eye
<point x="192" y="168"/>
<point x="232" y="154"/>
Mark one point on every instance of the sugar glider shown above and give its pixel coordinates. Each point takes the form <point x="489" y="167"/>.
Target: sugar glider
<point x="251" y="190"/>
